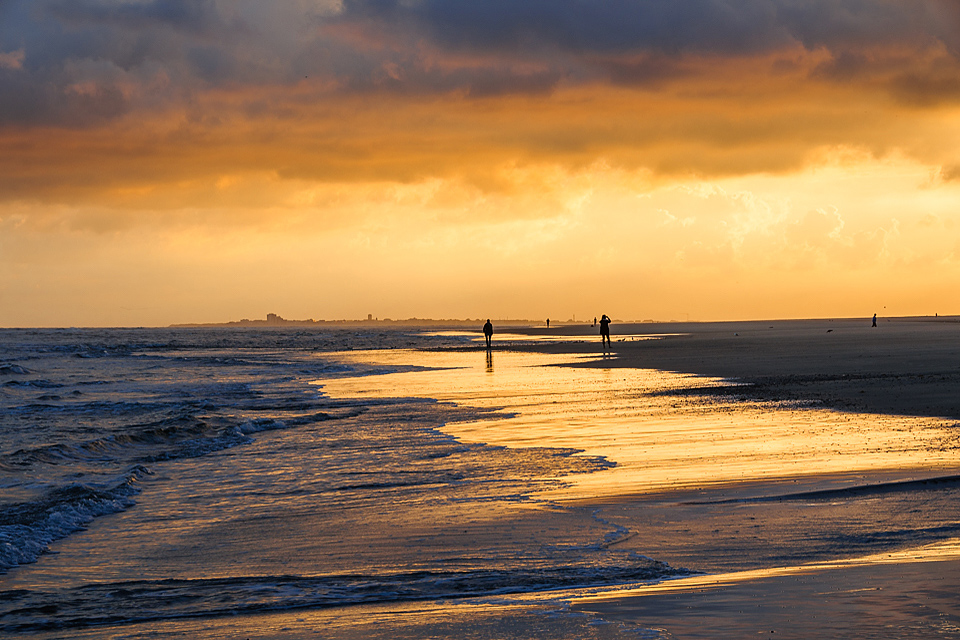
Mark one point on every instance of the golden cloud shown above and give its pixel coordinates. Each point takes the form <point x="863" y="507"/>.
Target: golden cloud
<point x="253" y="148"/>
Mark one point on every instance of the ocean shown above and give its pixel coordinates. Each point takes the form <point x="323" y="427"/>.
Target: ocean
<point x="170" y="482"/>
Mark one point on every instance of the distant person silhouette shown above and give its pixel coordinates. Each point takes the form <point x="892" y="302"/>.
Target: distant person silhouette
<point x="488" y="332"/>
<point x="874" y="320"/>
<point x="548" y="323"/>
<point x="594" y="321"/>
<point x="605" y="330"/>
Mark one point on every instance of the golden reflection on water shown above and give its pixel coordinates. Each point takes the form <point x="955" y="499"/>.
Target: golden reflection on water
<point x="942" y="551"/>
<point x="658" y="441"/>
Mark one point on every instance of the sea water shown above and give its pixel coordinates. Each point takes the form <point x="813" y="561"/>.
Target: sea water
<point x="149" y="475"/>
<point x="175" y="478"/>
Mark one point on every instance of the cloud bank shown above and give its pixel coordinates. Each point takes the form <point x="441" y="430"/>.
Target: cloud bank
<point x="118" y="49"/>
<point x="184" y="139"/>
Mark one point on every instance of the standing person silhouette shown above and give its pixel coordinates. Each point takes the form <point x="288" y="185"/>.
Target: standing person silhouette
<point x="874" y="320"/>
<point x="488" y="332"/>
<point x="605" y="330"/>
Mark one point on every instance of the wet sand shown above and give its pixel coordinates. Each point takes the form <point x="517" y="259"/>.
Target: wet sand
<point x="907" y="367"/>
<point x="667" y="432"/>
<point x="904" y="366"/>
<point x="833" y="543"/>
<point x="908" y="598"/>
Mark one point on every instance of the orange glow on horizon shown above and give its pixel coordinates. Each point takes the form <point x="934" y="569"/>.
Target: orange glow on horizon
<point x="794" y="181"/>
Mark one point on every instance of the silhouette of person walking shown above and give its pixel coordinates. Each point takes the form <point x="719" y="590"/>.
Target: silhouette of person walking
<point x="605" y="330"/>
<point x="874" y="320"/>
<point x="548" y="323"/>
<point x="488" y="332"/>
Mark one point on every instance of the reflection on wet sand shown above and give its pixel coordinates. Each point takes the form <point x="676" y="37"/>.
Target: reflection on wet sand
<point x="907" y="594"/>
<point x="936" y="552"/>
<point x="659" y="441"/>
<point x="757" y="495"/>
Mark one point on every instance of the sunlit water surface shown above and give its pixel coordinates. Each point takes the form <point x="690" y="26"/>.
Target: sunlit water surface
<point x="658" y="440"/>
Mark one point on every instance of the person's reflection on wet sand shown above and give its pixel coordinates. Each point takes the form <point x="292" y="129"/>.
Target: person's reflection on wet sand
<point x="489" y="361"/>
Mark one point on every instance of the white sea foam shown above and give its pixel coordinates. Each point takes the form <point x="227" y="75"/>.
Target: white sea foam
<point x="27" y="529"/>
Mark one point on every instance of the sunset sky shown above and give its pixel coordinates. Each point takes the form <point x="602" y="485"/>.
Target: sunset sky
<point x="177" y="161"/>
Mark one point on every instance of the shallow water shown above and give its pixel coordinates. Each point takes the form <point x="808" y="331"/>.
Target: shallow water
<point x="163" y="481"/>
<point x="659" y="441"/>
<point x="183" y="474"/>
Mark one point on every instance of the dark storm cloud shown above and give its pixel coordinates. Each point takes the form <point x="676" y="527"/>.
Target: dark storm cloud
<point x="602" y="26"/>
<point x="195" y="16"/>
<point x="24" y="101"/>
<point x="842" y="24"/>
<point x="727" y="27"/>
<point x="642" y="42"/>
<point x="85" y="61"/>
<point x="88" y="60"/>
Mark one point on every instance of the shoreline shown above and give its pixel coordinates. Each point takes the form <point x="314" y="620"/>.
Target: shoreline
<point x="900" y="368"/>
<point x="774" y="557"/>
<point x="903" y="596"/>
<point x="905" y="367"/>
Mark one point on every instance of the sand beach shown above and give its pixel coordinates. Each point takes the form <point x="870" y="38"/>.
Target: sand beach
<point x="851" y="545"/>
<point x="778" y="479"/>
<point x="908" y="367"/>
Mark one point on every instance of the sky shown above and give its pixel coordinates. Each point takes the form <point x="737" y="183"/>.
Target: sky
<point x="175" y="161"/>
